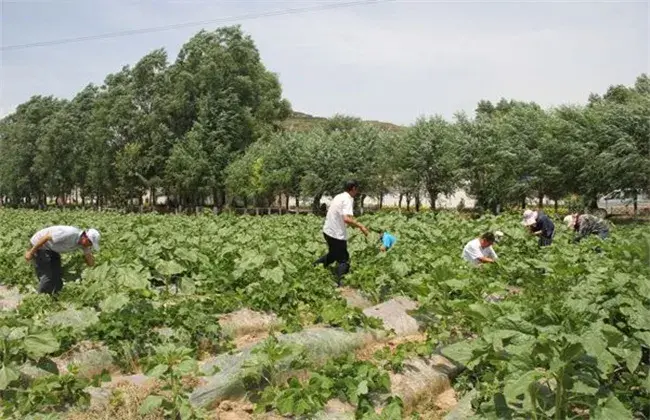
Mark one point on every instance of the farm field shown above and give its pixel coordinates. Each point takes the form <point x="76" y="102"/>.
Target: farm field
<point x="225" y="317"/>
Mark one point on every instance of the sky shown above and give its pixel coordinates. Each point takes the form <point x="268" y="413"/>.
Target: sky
<point x="390" y="61"/>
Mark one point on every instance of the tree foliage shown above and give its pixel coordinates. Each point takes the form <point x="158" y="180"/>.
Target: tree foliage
<point x="206" y="128"/>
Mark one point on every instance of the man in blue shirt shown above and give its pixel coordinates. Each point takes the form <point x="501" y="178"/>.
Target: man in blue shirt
<point x="387" y="241"/>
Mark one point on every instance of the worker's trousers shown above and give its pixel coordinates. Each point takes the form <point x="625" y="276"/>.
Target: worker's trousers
<point x="48" y="271"/>
<point x="337" y="250"/>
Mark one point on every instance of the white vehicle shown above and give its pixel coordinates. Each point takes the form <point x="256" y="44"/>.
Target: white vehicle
<point x="622" y="200"/>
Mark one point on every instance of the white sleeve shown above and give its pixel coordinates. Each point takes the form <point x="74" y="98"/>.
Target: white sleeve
<point x="472" y="252"/>
<point x="348" y="207"/>
<point x="492" y="253"/>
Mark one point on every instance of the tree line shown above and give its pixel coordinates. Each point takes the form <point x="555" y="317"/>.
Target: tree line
<point x="208" y="128"/>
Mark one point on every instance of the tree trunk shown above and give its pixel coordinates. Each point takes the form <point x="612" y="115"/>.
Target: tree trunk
<point x="417" y="202"/>
<point x="636" y="203"/>
<point x="315" y="206"/>
<point x="593" y="202"/>
<point x="297" y="202"/>
<point x="541" y="200"/>
<point x="433" y="195"/>
<point x="381" y="201"/>
<point x="555" y="205"/>
<point x="523" y="203"/>
<point x="408" y="201"/>
<point x="399" y="203"/>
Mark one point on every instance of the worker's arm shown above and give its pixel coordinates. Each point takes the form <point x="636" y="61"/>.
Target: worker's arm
<point x="485" y="260"/>
<point x="353" y="222"/>
<point x="90" y="259"/>
<point x="30" y="254"/>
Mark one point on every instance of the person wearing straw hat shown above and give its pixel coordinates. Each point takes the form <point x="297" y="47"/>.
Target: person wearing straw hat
<point x="48" y="244"/>
<point x="540" y="225"/>
<point x="585" y="225"/>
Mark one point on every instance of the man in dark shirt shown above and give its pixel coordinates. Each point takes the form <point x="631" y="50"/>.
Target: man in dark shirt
<point x="540" y="225"/>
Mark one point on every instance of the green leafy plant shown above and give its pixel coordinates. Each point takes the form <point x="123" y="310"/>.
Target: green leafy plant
<point x="174" y="366"/>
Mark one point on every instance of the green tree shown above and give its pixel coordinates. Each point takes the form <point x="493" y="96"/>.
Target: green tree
<point x="187" y="173"/>
<point x="432" y="156"/>
<point x="22" y="179"/>
<point x="225" y="96"/>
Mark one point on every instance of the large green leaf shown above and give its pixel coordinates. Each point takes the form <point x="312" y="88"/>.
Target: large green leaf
<point x="613" y="336"/>
<point x="630" y="352"/>
<point x="40" y="344"/>
<point x="400" y="268"/>
<point x="638" y="316"/>
<point x="596" y="346"/>
<point x="479" y="311"/>
<point x="169" y="268"/>
<point x="114" y="302"/>
<point x="151" y="403"/>
<point x="644" y="337"/>
<point x="157" y="371"/>
<point x="460" y="352"/>
<point x="519" y="385"/>
<point x="275" y="275"/>
<point x="186" y="255"/>
<point x="611" y="409"/>
<point x="8" y="374"/>
<point x="187" y="366"/>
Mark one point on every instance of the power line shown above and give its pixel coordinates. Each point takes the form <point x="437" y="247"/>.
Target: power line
<point x="249" y="16"/>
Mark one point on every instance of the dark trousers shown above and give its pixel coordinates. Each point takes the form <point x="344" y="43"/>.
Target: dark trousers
<point x="337" y="250"/>
<point x="546" y="240"/>
<point x="48" y="271"/>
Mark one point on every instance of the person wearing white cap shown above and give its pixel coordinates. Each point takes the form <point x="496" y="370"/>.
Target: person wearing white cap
<point x="48" y="244"/>
<point x="540" y="225"/>
<point x="585" y="225"/>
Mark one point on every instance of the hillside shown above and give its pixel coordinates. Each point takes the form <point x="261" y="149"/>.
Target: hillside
<point x="300" y="121"/>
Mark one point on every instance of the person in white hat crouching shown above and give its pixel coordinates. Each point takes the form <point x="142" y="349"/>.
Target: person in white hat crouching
<point x="48" y="244"/>
<point x="585" y="225"/>
<point x="540" y="225"/>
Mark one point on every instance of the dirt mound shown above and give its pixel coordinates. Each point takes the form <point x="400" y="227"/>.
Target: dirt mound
<point x="245" y="322"/>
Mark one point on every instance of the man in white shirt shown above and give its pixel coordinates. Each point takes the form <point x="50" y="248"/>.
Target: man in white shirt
<point x="479" y="251"/>
<point x="339" y="215"/>
<point x="47" y="246"/>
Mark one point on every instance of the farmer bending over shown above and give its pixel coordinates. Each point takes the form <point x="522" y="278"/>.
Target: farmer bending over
<point x="47" y="246"/>
<point x="585" y="225"/>
<point x="339" y="215"/>
<point x="387" y="240"/>
<point x="479" y="251"/>
<point x="540" y="225"/>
